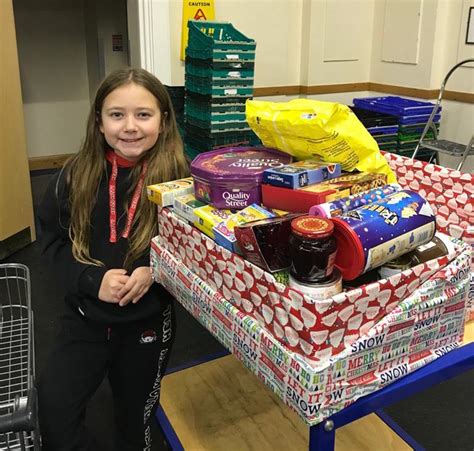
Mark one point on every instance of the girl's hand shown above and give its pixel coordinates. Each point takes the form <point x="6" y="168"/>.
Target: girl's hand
<point x="112" y="282"/>
<point x="137" y="285"/>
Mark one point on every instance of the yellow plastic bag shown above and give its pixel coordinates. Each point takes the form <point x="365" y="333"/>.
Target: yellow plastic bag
<point x="306" y="128"/>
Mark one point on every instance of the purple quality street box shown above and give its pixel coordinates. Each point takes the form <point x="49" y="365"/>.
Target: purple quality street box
<point x="231" y="177"/>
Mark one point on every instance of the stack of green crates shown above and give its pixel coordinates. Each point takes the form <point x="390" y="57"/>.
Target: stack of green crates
<point x="176" y="94"/>
<point x="408" y="137"/>
<point x="219" y="76"/>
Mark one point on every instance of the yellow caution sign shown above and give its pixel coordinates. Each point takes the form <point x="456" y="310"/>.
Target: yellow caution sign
<point x="194" y="10"/>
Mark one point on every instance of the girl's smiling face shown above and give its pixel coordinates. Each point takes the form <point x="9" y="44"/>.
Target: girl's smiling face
<point x="130" y="121"/>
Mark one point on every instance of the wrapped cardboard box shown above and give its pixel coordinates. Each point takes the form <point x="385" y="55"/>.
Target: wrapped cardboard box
<point x="449" y="192"/>
<point x="421" y="328"/>
<point x="317" y="330"/>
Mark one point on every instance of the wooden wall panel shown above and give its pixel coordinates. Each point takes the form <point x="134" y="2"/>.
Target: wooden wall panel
<point x="16" y="205"/>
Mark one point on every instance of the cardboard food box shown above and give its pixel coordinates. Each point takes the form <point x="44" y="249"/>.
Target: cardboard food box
<point x="321" y="357"/>
<point x="302" y="199"/>
<point x="301" y="173"/>
<point x="208" y="216"/>
<point x="163" y="194"/>
<point x="185" y="205"/>
<point x="224" y="232"/>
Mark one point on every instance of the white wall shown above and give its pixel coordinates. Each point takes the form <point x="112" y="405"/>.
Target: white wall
<point x="274" y="24"/>
<point x="111" y="20"/>
<point x="441" y="27"/>
<point x="53" y="68"/>
<point x="299" y="42"/>
<point x="102" y="19"/>
<point x="337" y="40"/>
<point x="391" y="67"/>
<point x="65" y="48"/>
<point x="442" y="30"/>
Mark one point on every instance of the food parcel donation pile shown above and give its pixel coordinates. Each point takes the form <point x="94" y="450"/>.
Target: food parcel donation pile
<point x="327" y="268"/>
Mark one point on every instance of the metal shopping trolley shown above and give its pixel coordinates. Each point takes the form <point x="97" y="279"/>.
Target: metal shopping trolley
<point x="18" y="407"/>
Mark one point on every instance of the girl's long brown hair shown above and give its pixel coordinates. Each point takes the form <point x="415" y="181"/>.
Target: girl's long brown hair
<point x="166" y="162"/>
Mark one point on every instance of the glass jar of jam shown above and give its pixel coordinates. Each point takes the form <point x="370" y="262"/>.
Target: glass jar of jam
<point x="312" y="249"/>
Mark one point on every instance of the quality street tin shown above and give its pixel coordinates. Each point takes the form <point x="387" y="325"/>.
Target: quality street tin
<point x="379" y="232"/>
<point x="231" y="177"/>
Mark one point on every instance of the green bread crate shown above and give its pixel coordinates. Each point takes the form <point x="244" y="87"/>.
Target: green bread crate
<point x="208" y="115"/>
<point x="228" y="73"/>
<point x="190" y="152"/>
<point x="213" y="65"/>
<point x="414" y="128"/>
<point x="221" y="89"/>
<point x="217" y="35"/>
<point x="214" y="126"/>
<point x="414" y="136"/>
<point x="222" y="56"/>
<point x="392" y="148"/>
<point x="423" y="155"/>
<point x="204" y="140"/>
<point x="216" y="82"/>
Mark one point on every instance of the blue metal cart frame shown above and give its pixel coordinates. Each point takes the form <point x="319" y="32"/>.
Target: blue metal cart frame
<point x="322" y="436"/>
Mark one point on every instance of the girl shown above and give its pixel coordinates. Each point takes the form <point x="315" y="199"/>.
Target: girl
<point x="96" y="225"/>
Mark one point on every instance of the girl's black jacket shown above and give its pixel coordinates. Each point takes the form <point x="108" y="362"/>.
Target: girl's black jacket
<point x="82" y="281"/>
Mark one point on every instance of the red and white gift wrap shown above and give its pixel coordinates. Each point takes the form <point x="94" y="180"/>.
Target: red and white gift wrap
<point x="419" y="329"/>
<point x="316" y="329"/>
<point x="450" y="194"/>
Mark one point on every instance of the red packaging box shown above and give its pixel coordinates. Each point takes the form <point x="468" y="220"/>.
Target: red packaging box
<point x="302" y="199"/>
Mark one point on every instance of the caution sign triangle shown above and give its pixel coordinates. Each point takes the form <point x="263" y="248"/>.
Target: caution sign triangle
<point x="200" y="15"/>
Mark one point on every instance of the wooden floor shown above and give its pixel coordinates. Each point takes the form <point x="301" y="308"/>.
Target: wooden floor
<point x="220" y="405"/>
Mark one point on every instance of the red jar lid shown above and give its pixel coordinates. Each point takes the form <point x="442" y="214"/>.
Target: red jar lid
<point x="312" y="226"/>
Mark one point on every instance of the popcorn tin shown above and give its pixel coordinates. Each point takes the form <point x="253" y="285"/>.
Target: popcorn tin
<point x="381" y="231"/>
<point x="421" y="328"/>
<point x="231" y="177"/>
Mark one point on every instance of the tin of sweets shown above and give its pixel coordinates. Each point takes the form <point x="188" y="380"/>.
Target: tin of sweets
<point x="319" y="291"/>
<point x="379" y="232"/>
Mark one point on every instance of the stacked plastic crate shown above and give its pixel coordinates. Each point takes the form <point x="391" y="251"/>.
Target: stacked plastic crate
<point x="219" y="76"/>
<point x="412" y="117"/>
<point x="177" y="99"/>
<point x="383" y="127"/>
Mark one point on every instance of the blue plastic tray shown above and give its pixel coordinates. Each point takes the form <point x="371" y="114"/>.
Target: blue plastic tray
<point x="406" y="120"/>
<point x="386" y="130"/>
<point x="398" y="106"/>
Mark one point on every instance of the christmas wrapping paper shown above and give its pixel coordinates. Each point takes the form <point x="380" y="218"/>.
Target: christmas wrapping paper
<point x="315" y="329"/>
<point x="449" y="192"/>
<point x="422" y="327"/>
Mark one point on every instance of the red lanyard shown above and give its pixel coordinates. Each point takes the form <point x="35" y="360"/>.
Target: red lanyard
<point x="113" y="200"/>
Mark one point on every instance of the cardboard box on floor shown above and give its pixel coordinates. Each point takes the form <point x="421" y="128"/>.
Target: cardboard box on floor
<point x="419" y="329"/>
